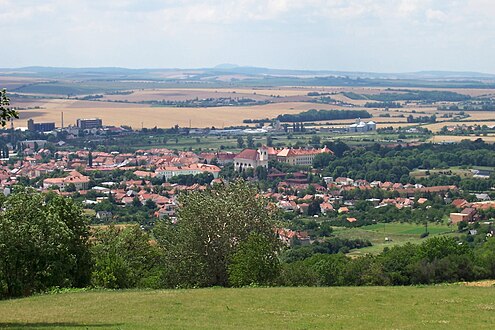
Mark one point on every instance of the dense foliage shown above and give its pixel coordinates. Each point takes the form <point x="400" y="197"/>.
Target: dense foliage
<point x="43" y="244"/>
<point x="317" y="115"/>
<point x="438" y="259"/>
<point x="211" y="227"/>
<point x="394" y="164"/>
<point x="408" y="95"/>
<point x="382" y="105"/>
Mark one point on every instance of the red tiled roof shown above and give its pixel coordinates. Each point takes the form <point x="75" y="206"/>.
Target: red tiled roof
<point x="248" y="154"/>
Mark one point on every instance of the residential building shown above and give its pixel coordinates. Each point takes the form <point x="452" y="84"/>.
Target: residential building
<point x="170" y="171"/>
<point x="80" y="181"/>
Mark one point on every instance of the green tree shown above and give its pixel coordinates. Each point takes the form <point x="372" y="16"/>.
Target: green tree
<point x="150" y="204"/>
<point x="250" y="142"/>
<point x="315" y="141"/>
<point x="71" y="187"/>
<point x="261" y="173"/>
<point x="43" y="244"/>
<point x="269" y="141"/>
<point x="7" y="113"/>
<point x="211" y="226"/>
<point x="124" y="258"/>
<point x="240" y="142"/>
<point x="254" y="262"/>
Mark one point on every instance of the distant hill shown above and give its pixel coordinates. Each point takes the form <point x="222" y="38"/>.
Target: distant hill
<point x="227" y="68"/>
<point x="228" y="75"/>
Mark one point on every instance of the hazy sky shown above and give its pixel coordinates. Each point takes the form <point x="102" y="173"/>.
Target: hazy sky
<point x="358" y="35"/>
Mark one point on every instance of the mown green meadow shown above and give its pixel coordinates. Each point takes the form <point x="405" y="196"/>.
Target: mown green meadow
<point x="428" y="307"/>
<point x="397" y="234"/>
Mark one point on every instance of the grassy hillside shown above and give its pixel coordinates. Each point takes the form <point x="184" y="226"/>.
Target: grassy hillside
<point x="441" y="307"/>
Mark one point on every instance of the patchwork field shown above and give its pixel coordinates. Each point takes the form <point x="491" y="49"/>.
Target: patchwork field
<point x="120" y="103"/>
<point x="426" y="307"/>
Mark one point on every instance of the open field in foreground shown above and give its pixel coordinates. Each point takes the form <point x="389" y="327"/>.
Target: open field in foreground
<point x="439" y="307"/>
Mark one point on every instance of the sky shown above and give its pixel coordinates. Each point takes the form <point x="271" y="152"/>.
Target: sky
<point x="344" y="35"/>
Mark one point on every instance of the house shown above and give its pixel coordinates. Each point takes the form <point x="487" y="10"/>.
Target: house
<point x="326" y="207"/>
<point x="167" y="210"/>
<point x="290" y="237"/>
<point x="459" y="203"/>
<point x="466" y="215"/>
<point x="80" y="181"/>
<point x="250" y="158"/>
<point x="103" y="215"/>
<point x="168" y="172"/>
<point x="471" y="213"/>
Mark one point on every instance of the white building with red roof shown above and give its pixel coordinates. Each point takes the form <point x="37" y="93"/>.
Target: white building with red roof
<point x="169" y="171"/>
<point x="250" y="158"/>
<point x="300" y="156"/>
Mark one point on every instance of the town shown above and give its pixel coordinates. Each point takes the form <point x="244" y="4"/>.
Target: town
<point x="141" y="185"/>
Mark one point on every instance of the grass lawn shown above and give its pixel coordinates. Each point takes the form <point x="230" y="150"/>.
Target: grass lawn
<point x="398" y="234"/>
<point x="449" y="171"/>
<point x="435" y="307"/>
<point x="407" y="228"/>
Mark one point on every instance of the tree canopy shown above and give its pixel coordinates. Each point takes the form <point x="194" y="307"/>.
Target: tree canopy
<point x="211" y="226"/>
<point x="6" y="113"/>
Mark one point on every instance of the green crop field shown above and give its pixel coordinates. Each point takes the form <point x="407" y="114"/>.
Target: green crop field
<point x="435" y="307"/>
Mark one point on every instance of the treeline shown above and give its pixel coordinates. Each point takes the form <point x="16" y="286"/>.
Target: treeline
<point x="381" y="163"/>
<point x="408" y="95"/>
<point x="422" y="119"/>
<point x="208" y="102"/>
<point x="382" y="105"/>
<point x="471" y="106"/>
<point x="332" y="245"/>
<point x="436" y="260"/>
<point x="318" y="115"/>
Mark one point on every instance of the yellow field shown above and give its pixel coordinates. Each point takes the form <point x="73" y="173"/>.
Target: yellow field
<point x="448" y="138"/>
<point x="438" y="126"/>
<point x="292" y="100"/>
<point x="136" y="115"/>
<point x="477" y="115"/>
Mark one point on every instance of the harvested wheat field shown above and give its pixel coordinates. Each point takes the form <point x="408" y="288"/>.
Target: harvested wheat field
<point x="136" y="115"/>
<point x="451" y="138"/>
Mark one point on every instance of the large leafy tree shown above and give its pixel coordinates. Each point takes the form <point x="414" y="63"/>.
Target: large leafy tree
<point x="124" y="258"/>
<point x="211" y="226"/>
<point x="6" y="113"/>
<point x="43" y="244"/>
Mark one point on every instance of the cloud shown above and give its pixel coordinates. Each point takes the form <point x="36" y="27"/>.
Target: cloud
<point x="382" y="35"/>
